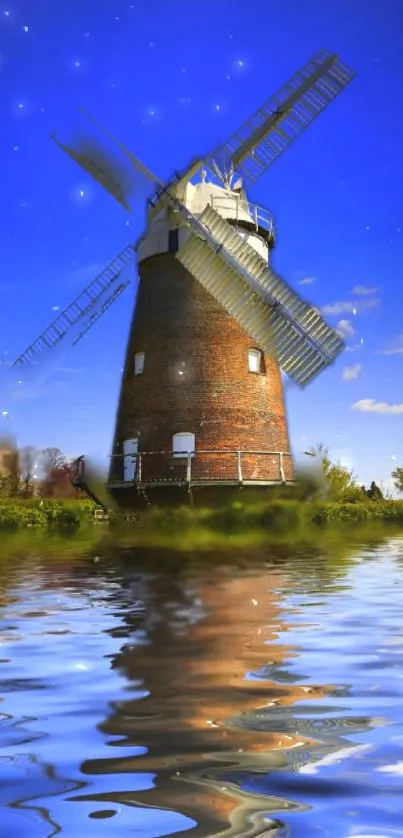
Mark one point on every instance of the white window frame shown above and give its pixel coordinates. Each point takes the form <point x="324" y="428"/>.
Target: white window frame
<point x="255" y="357"/>
<point x="185" y="437"/>
<point x="139" y="358"/>
<point x="130" y="461"/>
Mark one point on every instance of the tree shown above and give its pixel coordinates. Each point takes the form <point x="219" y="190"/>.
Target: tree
<point x="59" y="471"/>
<point x="397" y="476"/>
<point x="27" y="459"/>
<point x="374" y="492"/>
<point x="341" y="481"/>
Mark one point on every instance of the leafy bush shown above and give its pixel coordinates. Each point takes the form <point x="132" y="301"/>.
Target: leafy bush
<point x="379" y="511"/>
<point x="16" y="513"/>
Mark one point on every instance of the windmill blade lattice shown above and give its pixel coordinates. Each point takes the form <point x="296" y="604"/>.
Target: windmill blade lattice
<point x="273" y="128"/>
<point x="263" y="304"/>
<point x="84" y="310"/>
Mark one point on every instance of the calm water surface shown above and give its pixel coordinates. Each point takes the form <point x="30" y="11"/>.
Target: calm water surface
<point x="261" y="696"/>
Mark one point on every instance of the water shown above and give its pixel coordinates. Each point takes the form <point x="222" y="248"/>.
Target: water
<point x="255" y="696"/>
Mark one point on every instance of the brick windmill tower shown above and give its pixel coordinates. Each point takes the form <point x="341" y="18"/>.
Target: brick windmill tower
<point x="201" y="400"/>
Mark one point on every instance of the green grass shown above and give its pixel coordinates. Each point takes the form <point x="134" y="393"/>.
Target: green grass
<point x="236" y="524"/>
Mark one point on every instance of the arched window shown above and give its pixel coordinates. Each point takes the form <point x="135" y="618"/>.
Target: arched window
<point x="183" y="444"/>
<point x="255" y="360"/>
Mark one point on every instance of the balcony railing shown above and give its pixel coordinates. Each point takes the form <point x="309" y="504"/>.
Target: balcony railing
<point x="233" y="206"/>
<point x="202" y="467"/>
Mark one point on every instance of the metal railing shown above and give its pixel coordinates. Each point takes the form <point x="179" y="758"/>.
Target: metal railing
<point x="233" y="206"/>
<point x="201" y="467"/>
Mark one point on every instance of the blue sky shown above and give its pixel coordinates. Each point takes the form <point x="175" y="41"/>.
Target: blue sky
<point x="172" y="78"/>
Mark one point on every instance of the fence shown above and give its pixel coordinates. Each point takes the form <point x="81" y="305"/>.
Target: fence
<point x="203" y="467"/>
<point x="236" y="207"/>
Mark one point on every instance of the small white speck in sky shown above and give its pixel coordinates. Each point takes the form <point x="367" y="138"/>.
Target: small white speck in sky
<point x="117" y="18"/>
<point x="367" y="228"/>
<point x="25" y="28"/>
<point x="55" y="308"/>
<point x="228" y="77"/>
<point x="151" y="44"/>
<point x="240" y="62"/>
<point x="16" y="148"/>
<point x="398" y="229"/>
<point x="87" y="34"/>
<point x="21" y="106"/>
<point x="217" y="107"/>
<point x="354" y="311"/>
<point x="6" y="13"/>
<point x="77" y="63"/>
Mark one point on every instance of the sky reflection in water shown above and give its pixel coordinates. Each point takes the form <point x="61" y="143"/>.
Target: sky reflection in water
<point x="258" y="697"/>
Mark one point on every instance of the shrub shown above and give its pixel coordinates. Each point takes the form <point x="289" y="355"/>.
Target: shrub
<point x="15" y="513"/>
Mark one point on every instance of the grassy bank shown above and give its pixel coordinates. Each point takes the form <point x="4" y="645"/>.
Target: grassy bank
<point x="235" y="518"/>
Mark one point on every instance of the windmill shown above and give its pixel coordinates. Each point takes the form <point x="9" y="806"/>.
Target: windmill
<point x="201" y="400"/>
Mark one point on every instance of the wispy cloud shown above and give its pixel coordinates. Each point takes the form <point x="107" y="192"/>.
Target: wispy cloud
<point x="86" y="273"/>
<point x="354" y="347"/>
<point x="364" y="290"/>
<point x="346" y="328"/>
<point x="395" y="349"/>
<point x="371" y="406"/>
<point x="308" y="280"/>
<point x="351" y="373"/>
<point x="350" y="306"/>
<point x="70" y="370"/>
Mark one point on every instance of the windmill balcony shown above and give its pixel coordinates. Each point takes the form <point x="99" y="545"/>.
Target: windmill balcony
<point x="237" y="210"/>
<point x="149" y="469"/>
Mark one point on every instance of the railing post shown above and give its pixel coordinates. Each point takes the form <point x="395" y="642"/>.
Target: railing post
<point x="239" y="464"/>
<point x="255" y="216"/>
<point x="139" y="463"/>
<point x="188" y="467"/>
<point x="282" y="475"/>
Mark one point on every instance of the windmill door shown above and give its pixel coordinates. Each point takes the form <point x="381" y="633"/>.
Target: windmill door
<point x="130" y="451"/>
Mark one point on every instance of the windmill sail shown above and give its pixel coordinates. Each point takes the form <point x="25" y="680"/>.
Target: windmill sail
<point x="261" y="302"/>
<point x="84" y="311"/>
<point x="274" y="127"/>
<point x="99" y="173"/>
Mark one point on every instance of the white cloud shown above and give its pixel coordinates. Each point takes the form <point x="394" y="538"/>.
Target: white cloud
<point x="346" y="327"/>
<point x="308" y="280"/>
<point x="354" y="347"/>
<point x="395" y="768"/>
<point x="371" y="406"/>
<point x="350" y="307"/>
<point x="395" y="349"/>
<point x="86" y="273"/>
<point x="351" y="373"/>
<point x="364" y="290"/>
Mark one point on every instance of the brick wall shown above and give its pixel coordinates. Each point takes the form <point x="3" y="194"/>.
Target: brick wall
<point x="195" y="379"/>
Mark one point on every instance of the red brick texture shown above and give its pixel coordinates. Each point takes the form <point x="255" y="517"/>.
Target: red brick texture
<point x="196" y="379"/>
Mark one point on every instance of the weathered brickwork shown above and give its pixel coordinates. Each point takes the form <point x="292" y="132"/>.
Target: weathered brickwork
<point x="196" y="379"/>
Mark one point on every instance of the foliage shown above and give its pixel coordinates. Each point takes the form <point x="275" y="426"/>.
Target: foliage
<point x="374" y="492"/>
<point x="397" y="475"/>
<point x="34" y="512"/>
<point x="386" y="511"/>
